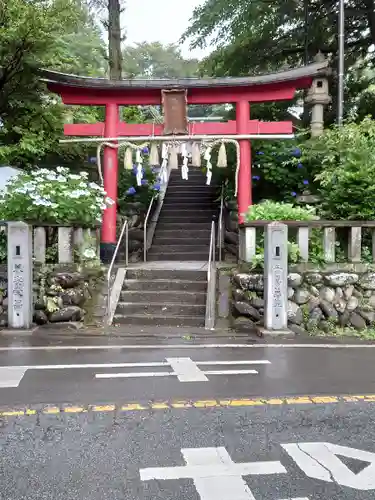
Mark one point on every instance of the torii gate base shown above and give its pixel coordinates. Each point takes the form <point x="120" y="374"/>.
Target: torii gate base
<point x="241" y="91"/>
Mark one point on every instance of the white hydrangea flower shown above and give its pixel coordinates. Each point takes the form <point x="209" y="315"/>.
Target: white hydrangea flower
<point x="109" y="201"/>
<point x="95" y="186"/>
<point x="62" y="170"/>
<point x="75" y="177"/>
<point x="77" y="193"/>
<point x="89" y="253"/>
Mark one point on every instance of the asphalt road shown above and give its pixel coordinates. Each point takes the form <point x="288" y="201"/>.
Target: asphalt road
<point x="299" y="428"/>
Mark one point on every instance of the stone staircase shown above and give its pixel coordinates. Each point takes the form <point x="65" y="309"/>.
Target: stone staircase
<point x="183" y="228"/>
<point x="173" y="294"/>
<point x="162" y="297"/>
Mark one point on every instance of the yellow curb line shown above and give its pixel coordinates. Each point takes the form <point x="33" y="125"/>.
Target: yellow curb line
<point x="184" y="404"/>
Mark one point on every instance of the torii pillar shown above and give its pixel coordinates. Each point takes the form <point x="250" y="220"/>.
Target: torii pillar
<point x="110" y="176"/>
<point x="244" y="195"/>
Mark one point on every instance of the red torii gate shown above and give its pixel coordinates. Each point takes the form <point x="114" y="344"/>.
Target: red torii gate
<point x="241" y="91"/>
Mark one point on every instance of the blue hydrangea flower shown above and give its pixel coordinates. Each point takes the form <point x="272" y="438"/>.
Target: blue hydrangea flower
<point x="299" y="165"/>
<point x="260" y="153"/>
<point x="92" y="159"/>
<point x="156" y="187"/>
<point x="306" y="182"/>
<point x="145" y="150"/>
<point x="144" y="182"/>
<point x="135" y="170"/>
<point x="131" y="190"/>
<point x="293" y="193"/>
<point x="256" y="177"/>
<point x="297" y="152"/>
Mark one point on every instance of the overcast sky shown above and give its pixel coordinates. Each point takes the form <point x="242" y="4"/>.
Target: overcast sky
<point x="159" y="20"/>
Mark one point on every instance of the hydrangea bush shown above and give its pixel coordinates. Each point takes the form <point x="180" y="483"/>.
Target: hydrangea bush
<point x="55" y="197"/>
<point x="129" y="191"/>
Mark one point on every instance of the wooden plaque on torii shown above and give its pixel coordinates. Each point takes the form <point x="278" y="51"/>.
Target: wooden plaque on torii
<point x="175" y="111"/>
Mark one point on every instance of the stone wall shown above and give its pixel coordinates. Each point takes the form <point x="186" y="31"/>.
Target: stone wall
<point x="317" y="301"/>
<point x="62" y="294"/>
<point x="73" y="294"/>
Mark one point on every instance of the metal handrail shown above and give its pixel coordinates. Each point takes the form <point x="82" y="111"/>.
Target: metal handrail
<point x="211" y="283"/>
<point x="124" y="229"/>
<point x="220" y="229"/>
<point x="145" y="229"/>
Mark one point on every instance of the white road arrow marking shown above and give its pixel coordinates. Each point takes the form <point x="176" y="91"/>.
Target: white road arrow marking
<point x="11" y="376"/>
<point x="214" y="473"/>
<point x="320" y="461"/>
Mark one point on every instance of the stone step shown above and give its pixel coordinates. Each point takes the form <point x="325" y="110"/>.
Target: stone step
<point x="170" y="210"/>
<point x="193" y="174"/>
<point x="185" y="218"/>
<point x="165" y="284"/>
<point x="186" y="214"/>
<point x="160" y="309"/>
<point x="190" y="194"/>
<point x="192" y="181"/>
<point x="164" y="296"/>
<point x="183" y="232"/>
<point x="180" y="240"/>
<point x="196" y="188"/>
<point x="184" y="205"/>
<point x="174" y="321"/>
<point x="171" y="274"/>
<point x="176" y="226"/>
<point x="156" y="249"/>
<point x="185" y="257"/>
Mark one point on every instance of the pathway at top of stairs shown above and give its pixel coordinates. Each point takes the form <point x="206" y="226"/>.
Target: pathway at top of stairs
<point x="184" y="225"/>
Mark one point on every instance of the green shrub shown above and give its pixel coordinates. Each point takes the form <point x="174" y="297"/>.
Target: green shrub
<point x="347" y="176"/>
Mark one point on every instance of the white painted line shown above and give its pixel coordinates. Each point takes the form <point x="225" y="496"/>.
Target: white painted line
<point x="230" y="372"/>
<point x="182" y="377"/>
<point x="186" y="370"/>
<point x="214" y="473"/>
<point x="91" y="365"/>
<point x="184" y="346"/>
<point x="132" y="375"/>
<point x="11" y="376"/>
<point x="252" y="362"/>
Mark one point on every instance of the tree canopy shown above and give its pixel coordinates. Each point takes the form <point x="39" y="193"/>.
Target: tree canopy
<point x="253" y="36"/>
<point x="158" y="61"/>
<point x="37" y="34"/>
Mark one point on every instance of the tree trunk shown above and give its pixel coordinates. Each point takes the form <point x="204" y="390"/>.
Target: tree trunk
<point x="114" y="40"/>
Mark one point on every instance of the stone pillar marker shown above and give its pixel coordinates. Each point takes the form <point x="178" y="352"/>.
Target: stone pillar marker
<point x="276" y="279"/>
<point x="20" y="275"/>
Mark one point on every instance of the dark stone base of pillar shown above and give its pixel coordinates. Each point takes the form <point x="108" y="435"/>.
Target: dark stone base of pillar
<point x="106" y="252"/>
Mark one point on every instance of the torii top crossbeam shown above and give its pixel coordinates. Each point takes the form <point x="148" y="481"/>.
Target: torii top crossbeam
<point x="174" y="95"/>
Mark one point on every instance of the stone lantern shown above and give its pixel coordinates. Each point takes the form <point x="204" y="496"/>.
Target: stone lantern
<point x="317" y="98"/>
